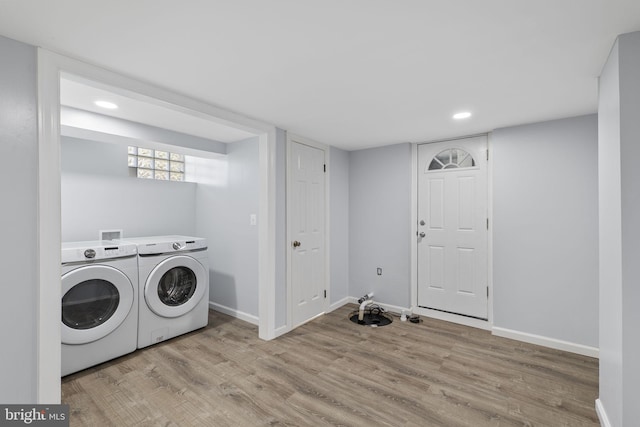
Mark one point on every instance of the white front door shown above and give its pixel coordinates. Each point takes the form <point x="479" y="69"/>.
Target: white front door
<point x="306" y="211"/>
<point x="452" y="226"/>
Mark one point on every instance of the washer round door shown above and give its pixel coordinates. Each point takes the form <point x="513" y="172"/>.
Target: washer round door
<point x="95" y="301"/>
<point x="175" y="286"/>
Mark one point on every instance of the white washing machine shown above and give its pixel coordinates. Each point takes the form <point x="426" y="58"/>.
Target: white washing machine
<point x="173" y="286"/>
<point x="99" y="303"/>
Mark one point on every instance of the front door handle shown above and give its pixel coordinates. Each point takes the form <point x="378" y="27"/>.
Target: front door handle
<point x="296" y="243"/>
<point x="422" y="234"/>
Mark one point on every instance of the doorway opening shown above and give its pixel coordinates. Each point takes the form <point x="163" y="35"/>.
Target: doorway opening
<point x="52" y="68"/>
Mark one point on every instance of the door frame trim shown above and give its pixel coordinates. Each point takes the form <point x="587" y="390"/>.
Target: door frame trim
<point x="51" y="66"/>
<point x="451" y="317"/>
<point x="293" y="138"/>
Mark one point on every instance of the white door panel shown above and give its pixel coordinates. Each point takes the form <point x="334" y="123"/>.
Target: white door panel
<point x="452" y="214"/>
<point x="94" y="279"/>
<point x="307" y="230"/>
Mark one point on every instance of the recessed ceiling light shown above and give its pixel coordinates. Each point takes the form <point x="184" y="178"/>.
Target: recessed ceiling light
<point x="462" y="115"/>
<point x="106" y="104"/>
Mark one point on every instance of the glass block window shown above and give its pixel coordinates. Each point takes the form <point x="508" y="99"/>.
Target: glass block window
<point x="452" y="158"/>
<point x="156" y="164"/>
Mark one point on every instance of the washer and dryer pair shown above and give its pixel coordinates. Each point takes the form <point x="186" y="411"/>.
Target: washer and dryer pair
<point x="121" y="295"/>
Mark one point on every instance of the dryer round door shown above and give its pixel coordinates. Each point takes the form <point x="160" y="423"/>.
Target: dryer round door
<point x="175" y="286"/>
<point x="95" y="301"/>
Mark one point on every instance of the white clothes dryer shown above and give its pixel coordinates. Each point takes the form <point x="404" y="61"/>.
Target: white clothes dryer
<point x="173" y="286"/>
<point x="99" y="303"/>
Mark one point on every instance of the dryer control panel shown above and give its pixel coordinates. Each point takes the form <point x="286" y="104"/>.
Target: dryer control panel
<point x="157" y="245"/>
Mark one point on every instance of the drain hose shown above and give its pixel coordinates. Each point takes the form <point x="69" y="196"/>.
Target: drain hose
<point x="361" y="311"/>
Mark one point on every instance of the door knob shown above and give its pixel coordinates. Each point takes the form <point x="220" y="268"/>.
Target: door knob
<point x="296" y="243"/>
<point x="422" y="234"/>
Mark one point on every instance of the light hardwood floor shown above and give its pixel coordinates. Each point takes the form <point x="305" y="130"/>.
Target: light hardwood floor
<point x="337" y="373"/>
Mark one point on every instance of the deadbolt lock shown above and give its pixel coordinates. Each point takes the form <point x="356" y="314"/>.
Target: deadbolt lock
<point x="296" y="243"/>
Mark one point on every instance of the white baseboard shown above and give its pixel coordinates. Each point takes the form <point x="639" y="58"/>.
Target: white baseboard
<point x="546" y="342"/>
<point x="285" y="328"/>
<point x="336" y="305"/>
<point x="453" y="318"/>
<point x="483" y="324"/>
<point x="250" y="318"/>
<point x="281" y="331"/>
<point x="602" y="414"/>
<point x="392" y="308"/>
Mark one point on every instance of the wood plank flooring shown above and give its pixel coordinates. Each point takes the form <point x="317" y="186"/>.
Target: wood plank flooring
<point x="332" y="372"/>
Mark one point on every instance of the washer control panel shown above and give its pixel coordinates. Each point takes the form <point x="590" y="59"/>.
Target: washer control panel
<point x="167" y="244"/>
<point x="90" y="251"/>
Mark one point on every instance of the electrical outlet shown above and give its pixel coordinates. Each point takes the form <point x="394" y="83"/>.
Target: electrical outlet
<point x="253" y="219"/>
<point x="379" y="271"/>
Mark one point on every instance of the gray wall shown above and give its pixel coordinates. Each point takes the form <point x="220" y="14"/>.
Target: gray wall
<point x="545" y="229"/>
<point x="339" y="223"/>
<point x="380" y="223"/>
<point x="98" y="194"/>
<point x="18" y="187"/>
<point x="619" y="152"/>
<point x="223" y="213"/>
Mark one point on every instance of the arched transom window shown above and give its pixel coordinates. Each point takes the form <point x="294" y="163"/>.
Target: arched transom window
<point x="452" y="158"/>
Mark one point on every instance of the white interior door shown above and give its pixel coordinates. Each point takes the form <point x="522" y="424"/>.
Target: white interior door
<point x="452" y="226"/>
<point x="306" y="200"/>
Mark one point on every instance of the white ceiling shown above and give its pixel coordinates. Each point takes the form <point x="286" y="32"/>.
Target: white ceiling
<point x="354" y="74"/>
<point x="83" y="96"/>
